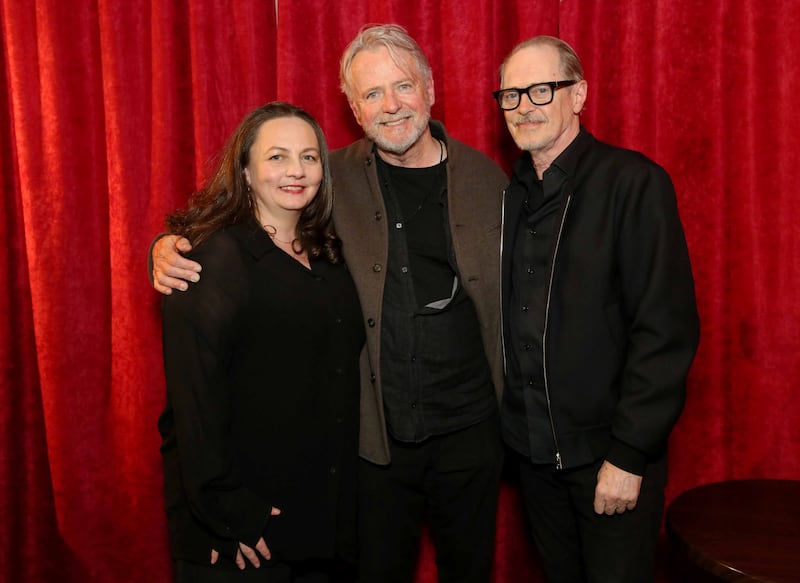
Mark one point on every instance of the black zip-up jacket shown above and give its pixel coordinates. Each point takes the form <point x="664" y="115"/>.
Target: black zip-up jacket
<point x="620" y="323"/>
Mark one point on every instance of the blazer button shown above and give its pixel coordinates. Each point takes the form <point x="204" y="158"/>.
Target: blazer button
<point x="372" y="378"/>
<point x="371" y="322"/>
<point x="378" y="216"/>
<point x="377" y="268"/>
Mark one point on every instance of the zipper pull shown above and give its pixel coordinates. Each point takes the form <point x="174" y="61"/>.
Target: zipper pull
<point x="559" y="465"/>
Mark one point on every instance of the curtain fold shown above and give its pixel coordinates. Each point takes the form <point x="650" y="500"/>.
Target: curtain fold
<point x="112" y="113"/>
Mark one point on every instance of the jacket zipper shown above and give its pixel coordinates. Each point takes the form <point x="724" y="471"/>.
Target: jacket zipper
<point x="502" y="317"/>
<point x="559" y="463"/>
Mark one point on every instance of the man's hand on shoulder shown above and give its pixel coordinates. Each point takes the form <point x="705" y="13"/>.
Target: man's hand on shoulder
<point x="171" y="270"/>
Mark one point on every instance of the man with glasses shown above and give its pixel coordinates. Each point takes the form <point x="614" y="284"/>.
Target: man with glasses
<point x="599" y="322"/>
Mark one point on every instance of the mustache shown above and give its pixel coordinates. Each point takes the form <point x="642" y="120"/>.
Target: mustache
<point x="530" y="118"/>
<point x="388" y="118"/>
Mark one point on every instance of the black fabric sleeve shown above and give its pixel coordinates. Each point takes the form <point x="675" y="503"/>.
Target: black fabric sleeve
<point x="199" y="329"/>
<point x="659" y="300"/>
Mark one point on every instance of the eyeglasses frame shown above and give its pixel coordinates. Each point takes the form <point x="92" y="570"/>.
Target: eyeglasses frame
<point x="554" y="85"/>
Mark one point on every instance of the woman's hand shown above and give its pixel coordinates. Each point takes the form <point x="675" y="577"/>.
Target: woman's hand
<point x="250" y="553"/>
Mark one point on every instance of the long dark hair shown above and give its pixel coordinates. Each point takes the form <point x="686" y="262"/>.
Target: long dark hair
<point x="225" y="198"/>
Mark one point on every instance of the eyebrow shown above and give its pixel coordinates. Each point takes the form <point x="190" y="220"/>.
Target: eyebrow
<point x="283" y="149"/>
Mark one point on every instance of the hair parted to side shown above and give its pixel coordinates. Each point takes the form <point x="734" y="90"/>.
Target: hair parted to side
<point x="571" y="67"/>
<point x="225" y="198"/>
<point x="395" y="39"/>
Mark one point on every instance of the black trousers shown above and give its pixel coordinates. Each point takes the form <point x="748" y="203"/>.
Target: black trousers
<point x="322" y="571"/>
<point x="576" y="544"/>
<point x="452" y="480"/>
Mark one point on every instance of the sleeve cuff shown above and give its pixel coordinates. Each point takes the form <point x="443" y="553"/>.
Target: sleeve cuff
<point x="626" y="457"/>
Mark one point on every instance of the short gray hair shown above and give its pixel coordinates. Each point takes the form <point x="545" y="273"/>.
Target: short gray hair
<point x="395" y="39"/>
<point x="570" y="64"/>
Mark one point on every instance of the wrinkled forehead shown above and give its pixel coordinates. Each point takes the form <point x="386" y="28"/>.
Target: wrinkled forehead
<point x="382" y="61"/>
<point x="529" y="65"/>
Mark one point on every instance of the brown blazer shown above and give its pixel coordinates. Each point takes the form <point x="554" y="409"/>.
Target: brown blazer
<point x="474" y="194"/>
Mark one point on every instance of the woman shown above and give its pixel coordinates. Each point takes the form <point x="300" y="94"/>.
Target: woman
<point x="261" y="359"/>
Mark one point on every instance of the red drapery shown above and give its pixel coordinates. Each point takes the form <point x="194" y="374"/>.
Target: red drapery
<point x="112" y="110"/>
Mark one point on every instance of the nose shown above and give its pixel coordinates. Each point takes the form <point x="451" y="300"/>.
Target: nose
<point x="526" y="103"/>
<point x="390" y="102"/>
<point x="295" y="167"/>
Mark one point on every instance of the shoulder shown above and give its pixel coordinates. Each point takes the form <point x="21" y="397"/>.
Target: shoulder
<point x="358" y="150"/>
<point x="470" y="162"/>
<point x="624" y="161"/>
<point x="223" y="274"/>
<point x="618" y="173"/>
<point x="217" y="250"/>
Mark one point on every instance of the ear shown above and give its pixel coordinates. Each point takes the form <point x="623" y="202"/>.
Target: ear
<point x="579" y="96"/>
<point x="247" y="177"/>
<point x="429" y="90"/>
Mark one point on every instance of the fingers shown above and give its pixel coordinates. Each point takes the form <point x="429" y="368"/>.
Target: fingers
<point x="611" y="506"/>
<point x="617" y="491"/>
<point x="183" y="245"/>
<point x="262" y="548"/>
<point x="160" y="288"/>
<point x="239" y="560"/>
<point x="214" y="556"/>
<point x="274" y="511"/>
<point x="170" y="269"/>
<point x="249" y="554"/>
<point x="165" y="282"/>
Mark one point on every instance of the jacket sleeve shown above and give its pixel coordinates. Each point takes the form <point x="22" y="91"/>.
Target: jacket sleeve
<point x="198" y="332"/>
<point x="659" y="303"/>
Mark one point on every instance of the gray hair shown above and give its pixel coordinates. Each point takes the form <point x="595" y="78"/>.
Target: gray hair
<point x="570" y="64"/>
<point x="395" y="39"/>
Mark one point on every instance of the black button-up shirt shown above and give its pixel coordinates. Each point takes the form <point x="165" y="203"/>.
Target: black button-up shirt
<point x="261" y="362"/>
<point x="526" y="423"/>
<point x="435" y="375"/>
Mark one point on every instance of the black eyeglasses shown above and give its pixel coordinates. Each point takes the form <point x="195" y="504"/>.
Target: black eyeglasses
<point x="538" y="93"/>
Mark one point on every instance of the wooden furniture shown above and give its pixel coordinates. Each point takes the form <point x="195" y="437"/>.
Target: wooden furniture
<point x="739" y="530"/>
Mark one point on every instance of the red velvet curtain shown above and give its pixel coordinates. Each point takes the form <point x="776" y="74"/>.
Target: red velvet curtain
<point x="111" y="112"/>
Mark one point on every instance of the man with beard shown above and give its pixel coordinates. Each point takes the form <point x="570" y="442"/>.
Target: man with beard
<point x="599" y="321"/>
<point x="418" y="213"/>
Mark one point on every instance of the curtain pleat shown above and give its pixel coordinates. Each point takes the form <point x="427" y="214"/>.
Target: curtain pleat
<point x="112" y="113"/>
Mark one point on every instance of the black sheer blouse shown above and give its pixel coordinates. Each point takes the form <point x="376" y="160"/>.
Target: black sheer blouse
<point x="261" y="361"/>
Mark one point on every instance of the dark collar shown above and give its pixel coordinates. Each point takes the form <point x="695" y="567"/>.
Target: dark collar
<point x="566" y="162"/>
<point x="253" y="237"/>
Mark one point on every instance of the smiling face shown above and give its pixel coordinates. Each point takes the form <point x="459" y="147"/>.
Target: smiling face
<point x="543" y="130"/>
<point x="391" y="103"/>
<point x="285" y="169"/>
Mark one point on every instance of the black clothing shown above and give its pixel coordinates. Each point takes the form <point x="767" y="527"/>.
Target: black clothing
<point x="312" y="571"/>
<point x="575" y="544"/>
<point x="618" y="327"/>
<point x="470" y="226"/>
<point x="436" y="377"/>
<point x="452" y="480"/>
<point x="415" y="200"/>
<point x="530" y="434"/>
<point x="620" y="320"/>
<point x="261" y="360"/>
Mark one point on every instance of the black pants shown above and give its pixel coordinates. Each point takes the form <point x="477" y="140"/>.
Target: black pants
<point x="323" y="571"/>
<point x="452" y="480"/>
<point x="579" y="546"/>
